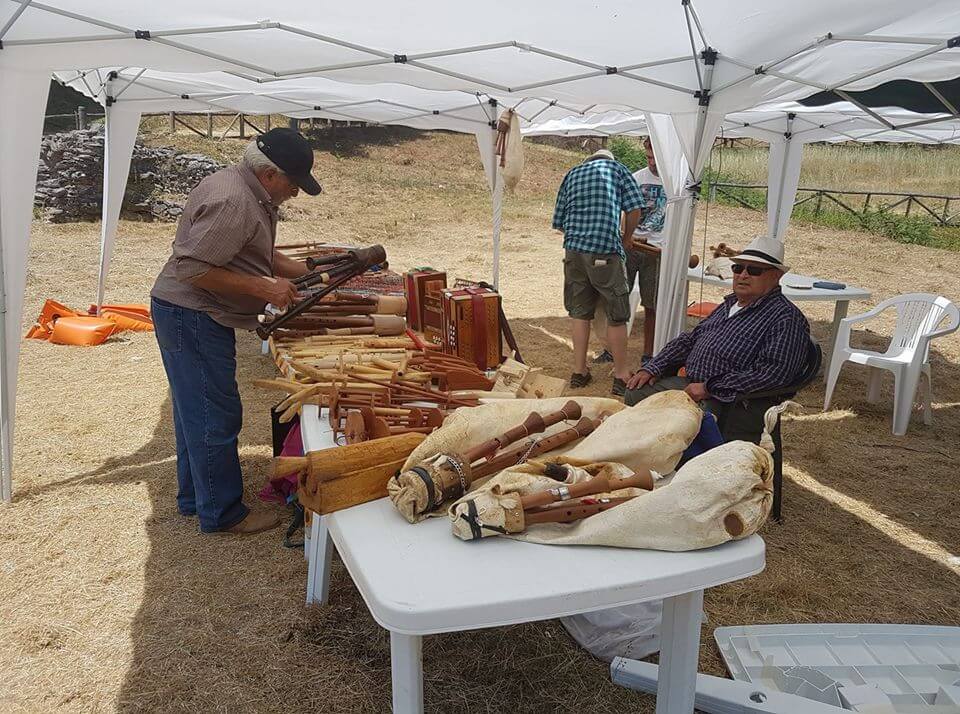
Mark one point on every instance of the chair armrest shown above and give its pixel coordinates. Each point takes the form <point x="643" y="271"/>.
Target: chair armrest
<point x="952" y="327"/>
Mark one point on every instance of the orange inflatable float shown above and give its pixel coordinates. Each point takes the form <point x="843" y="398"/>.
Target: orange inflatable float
<point x="63" y="326"/>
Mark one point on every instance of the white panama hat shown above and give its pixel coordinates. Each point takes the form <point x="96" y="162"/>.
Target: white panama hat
<point x="764" y="250"/>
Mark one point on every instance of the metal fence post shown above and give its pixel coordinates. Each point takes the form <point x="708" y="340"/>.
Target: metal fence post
<point x="173" y="122"/>
<point x="209" y="125"/>
<point x="267" y="124"/>
<point x="816" y="210"/>
<point x="242" y="122"/>
<point x="294" y="124"/>
<point x="81" y="117"/>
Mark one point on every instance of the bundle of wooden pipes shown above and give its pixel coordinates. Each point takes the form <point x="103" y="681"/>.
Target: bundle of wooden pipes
<point x="373" y="387"/>
<point x="448" y="476"/>
<point x="380" y="279"/>
<point x="327" y="274"/>
<point x="341" y="477"/>
<point x="346" y="313"/>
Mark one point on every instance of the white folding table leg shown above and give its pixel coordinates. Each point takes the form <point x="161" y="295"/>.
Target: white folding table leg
<point x="318" y="568"/>
<point x="839" y="312"/>
<point x="679" y="653"/>
<point x="406" y="663"/>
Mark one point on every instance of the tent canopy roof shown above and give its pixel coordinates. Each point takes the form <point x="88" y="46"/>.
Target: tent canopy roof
<point x="581" y="53"/>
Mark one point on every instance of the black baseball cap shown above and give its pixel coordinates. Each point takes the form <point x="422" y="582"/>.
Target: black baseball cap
<point x="291" y="152"/>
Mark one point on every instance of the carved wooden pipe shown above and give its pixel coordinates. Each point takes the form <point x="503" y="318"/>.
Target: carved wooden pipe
<point x="527" y="451"/>
<point x="589" y="487"/>
<point x="574" y="511"/>
<point x="533" y="424"/>
<point x="454" y="474"/>
<point x="386" y="323"/>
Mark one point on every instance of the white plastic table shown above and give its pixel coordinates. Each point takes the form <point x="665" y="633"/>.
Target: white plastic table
<point x="419" y="580"/>
<point x="842" y="297"/>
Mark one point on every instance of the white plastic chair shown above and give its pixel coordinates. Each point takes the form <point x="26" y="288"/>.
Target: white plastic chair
<point x="908" y="355"/>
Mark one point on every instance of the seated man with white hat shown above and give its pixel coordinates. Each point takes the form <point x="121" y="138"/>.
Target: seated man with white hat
<point x="756" y="340"/>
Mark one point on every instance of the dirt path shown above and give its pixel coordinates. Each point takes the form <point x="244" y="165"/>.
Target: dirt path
<point x="111" y="601"/>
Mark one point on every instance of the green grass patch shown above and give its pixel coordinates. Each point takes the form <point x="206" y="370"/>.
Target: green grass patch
<point x="628" y="152"/>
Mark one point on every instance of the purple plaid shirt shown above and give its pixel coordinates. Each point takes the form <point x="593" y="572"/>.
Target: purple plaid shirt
<point x="762" y="347"/>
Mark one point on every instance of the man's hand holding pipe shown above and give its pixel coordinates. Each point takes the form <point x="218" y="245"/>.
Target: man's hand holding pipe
<point x="279" y="292"/>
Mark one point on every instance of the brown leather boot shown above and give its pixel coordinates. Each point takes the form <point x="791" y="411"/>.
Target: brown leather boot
<point x="254" y="522"/>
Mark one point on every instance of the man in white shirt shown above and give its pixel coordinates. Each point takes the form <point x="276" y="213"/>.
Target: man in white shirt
<point x="644" y="261"/>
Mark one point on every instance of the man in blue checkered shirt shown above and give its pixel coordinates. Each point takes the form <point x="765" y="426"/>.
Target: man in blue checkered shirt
<point x="592" y="198"/>
<point x="755" y="341"/>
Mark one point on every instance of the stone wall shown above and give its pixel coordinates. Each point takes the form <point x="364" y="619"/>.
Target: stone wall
<point x="70" y="180"/>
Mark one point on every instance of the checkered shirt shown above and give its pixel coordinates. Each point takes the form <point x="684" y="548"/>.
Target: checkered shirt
<point x="761" y="347"/>
<point x="589" y="204"/>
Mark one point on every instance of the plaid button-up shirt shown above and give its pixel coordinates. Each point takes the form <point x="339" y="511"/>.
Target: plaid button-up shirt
<point x="763" y="346"/>
<point x="227" y="222"/>
<point x="589" y="204"/>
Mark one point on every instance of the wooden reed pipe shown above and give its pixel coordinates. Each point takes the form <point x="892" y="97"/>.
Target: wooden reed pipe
<point x="575" y="511"/>
<point x="582" y="428"/>
<point x="316" y="261"/>
<point x="533" y="424"/>
<point x="590" y="487"/>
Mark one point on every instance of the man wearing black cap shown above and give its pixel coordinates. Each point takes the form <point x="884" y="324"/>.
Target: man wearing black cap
<point x="222" y="273"/>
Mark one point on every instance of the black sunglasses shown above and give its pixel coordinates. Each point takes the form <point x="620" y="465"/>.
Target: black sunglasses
<point x="753" y="270"/>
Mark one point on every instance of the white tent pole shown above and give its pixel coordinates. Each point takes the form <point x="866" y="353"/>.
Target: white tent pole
<point x="120" y="135"/>
<point x="670" y="321"/>
<point x="773" y="221"/>
<point x="497" y="209"/>
<point x="19" y="159"/>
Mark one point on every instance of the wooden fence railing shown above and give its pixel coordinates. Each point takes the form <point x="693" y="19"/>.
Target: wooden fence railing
<point x="928" y="205"/>
<point x="203" y="124"/>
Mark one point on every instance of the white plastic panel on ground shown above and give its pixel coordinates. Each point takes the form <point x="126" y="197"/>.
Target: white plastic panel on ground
<point x="911" y="664"/>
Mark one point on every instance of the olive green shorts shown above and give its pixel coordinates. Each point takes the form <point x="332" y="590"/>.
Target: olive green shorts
<point x="645" y="268"/>
<point x="588" y="277"/>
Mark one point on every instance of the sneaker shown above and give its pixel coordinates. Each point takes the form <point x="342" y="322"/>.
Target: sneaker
<point x="578" y="381"/>
<point x="604" y="356"/>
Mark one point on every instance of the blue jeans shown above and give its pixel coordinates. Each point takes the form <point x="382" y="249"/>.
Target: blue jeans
<point x="199" y="356"/>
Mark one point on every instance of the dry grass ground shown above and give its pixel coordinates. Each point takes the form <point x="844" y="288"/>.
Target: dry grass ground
<point x="111" y="601"/>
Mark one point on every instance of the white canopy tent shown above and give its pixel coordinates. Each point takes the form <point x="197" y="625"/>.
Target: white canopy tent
<point x="695" y="65"/>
